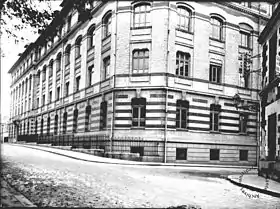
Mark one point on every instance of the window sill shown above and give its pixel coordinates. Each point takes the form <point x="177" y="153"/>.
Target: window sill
<point x="245" y="47"/>
<point x="137" y="128"/>
<point x="141" y="27"/>
<point x="185" y="30"/>
<point x="218" y="40"/>
<point x="182" y="129"/>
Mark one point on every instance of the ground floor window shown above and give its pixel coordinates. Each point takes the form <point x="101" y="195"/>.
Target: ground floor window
<point x="243" y="155"/>
<point x="214" y="154"/>
<point x="139" y="150"/>
<point x="181" y="153"/>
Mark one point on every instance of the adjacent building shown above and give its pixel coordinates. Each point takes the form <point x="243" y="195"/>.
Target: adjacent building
<point x="270" y="94"/>
<point x="159" y="73"/>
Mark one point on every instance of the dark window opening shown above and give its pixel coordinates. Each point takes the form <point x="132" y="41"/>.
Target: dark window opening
<point x="139" y="150"/>
<point x="138" y="112"/>
<point x="243" y="155"/>
<point x="214" y="154"/>
<point x="181" y="153"/>
<point x="182" y="108"/>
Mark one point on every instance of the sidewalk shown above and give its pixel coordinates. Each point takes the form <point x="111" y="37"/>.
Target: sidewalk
<point x="97" y="159"/>
<point x="256" y="183"/>
<point x="12" y="198"/>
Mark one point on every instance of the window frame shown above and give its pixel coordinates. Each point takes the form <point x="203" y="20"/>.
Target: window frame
<point x="103" y="115"/>
<point x="180" y="151"/>
<point x="67" y="54"/>
<point x="75" y="120"/>
<point x="78" y="45"/>
<point x="212" y="152"/>
<point x="215" y="71"/>
<point x="106" y="67"/>
<point x="145" y="58"/>
<point x="138" y="104"/>
<point x="182" y="107"/>
<point x="185" y="58"/>
<point x="243" y="122"/>
<point x="180" y="16"/>
<point x="145" y="15"/>
<point x="215" y="111"/>
<point x="241" y="155"/>
<point x="217" y="28"/>
<point x="90" y="37"/>
<point x="87" y="118"/>
<point x="107" y="25"/>
<point x="64" y="123"/>
<point x="77" y="82"/>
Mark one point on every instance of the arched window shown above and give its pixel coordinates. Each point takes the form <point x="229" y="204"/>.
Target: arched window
<point x="184" y="18"/>
<point x="78" y="47"/>
<point x="245" y="31"/>
<point x="90" y="37"/>
<point x="50" y="68"/>
<point x="142" y="15"/>
<point x="140" y="61"/>
<point x="58" y="62"/>
<point x="87" y="120"/>
<point x="182" y="109"/>
<point x="75" y="120"/>
<point x="217" y="28"/>
<point x="138" y="112"/>
<point x="64" y="125"/>
<point x="107" y="20"/>
<point x="55" y="124"/>
<point x="182" y="64"/>
<point x="67" y="54"/>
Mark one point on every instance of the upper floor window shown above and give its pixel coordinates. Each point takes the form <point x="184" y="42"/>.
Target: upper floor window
<point x="107" y="20"/>
<point x="58" y="93"/>
<point x="90" y="36"/>
<point x="67" y="88"/>
<point x="217" y="28"/>
<point x="182" y="113"/>
<point x="215" y="73"/>
<point x="69" y="23"/>
<point x="182" y="64"/>
<point x="51" y="68"/>
<point x="214" y="117"/>
<point x="78" y="83"/>
<point x="67" y="54"/>
<point x="78" y="47"/>
<point x="138" y="112"/>
<point x="142" y="15"/>
<point x="58" y="62"/>
<point x="90" y="72"/>
<point x="140" y="63"/>
<point x="106" y="67"/>
<point x="44" y="73"/>
<point x="245" y="35"/>
<point x="184" y="18"/>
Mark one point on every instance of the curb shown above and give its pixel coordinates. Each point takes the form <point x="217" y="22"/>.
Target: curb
<point x="37" y="147"/>
<point x="264" y="191"/>
<point x="20" y="197"/>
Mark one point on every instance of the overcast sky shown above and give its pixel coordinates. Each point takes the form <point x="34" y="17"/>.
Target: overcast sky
<point x="10" y="50"/>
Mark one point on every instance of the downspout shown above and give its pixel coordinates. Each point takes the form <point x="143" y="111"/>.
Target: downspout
<point x="113" y="94"/>
<point x="166" y="80"/>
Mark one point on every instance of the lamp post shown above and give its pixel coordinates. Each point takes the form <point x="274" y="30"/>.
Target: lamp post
<point x="241" y="104"/>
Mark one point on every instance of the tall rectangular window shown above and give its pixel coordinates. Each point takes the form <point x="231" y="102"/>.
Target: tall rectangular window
<point x="215" y="73"/>
<point x="43" y="100"/>
<point x="103" y="115"/>
<point x="75" y="121"/>
<point x="57" y="93"/>
<point x="67" y="89"/>
<point x="243" y="118"/>
<point x="87" y="119"/>
<point x="244" y="39"/>
<point x="69" y="23"/>
<point x="78" y="83"/>
<point x="142" y="15"/>
<point x="217" y="28"/>
<point x="140" y="62"/>
<point x="214" y="117"/>
<point x="90" y="72"/>
<point x="184" y="18"/>
<point x="182" y="113"/>
<point x="182" y="64"/>
<point x="138" y="112"/>
<point x="64" y="124"/>
<point x="50" y="96"/>
<point x="106" y="67"/>
<point x="107" y="20"/>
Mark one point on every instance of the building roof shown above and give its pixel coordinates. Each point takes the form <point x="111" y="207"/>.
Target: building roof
<point x="268" y="28"/>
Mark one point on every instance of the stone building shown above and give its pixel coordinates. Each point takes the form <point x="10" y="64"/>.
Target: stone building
<point x="270" y="93"/>
<point x="163" y="71"/>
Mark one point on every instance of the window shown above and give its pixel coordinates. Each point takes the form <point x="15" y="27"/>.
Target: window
<point x="243" y="118"/>
<point x="138" y="112"/>
<point x="69" y="23"/>
<point x="48" y="125"/>
<point x="51" y="68"/>
<point x="87" y="120"/>
<point x="214" y="117"/>
<point x="78" y="83"/>
<point x="43" y="100"/>
<point x="90" y="36"/>
<point x="36" y="125"/>
<point x="244" y="39"/>
<point x="139" y="150"/>
<point x="214" y="154"/>
<point x="64" y="125"/>
<point x="50" y="96"/>
<point x="26" y="85"/>
<point x="106" y="67"/>
<point x="67" y="54"/>
<point x="78" y="47"/>
<point x="181" y="153"/>
<point x="90" y="72"/>
<point x="215" y="73"/>
<point x="37" y="102"/>
<point x="67" y="89"/>
<point x="142" y="15"/>
<point x="184" y="18"/>
<point x="55" y="124"/>
<point x="44" y="73"/>
<point x="182" y="64"/>
<point x="140" y="61"/>
<point x="243" y="155"/>
<point x="103" y="115"/>
<point x="58" y="62"/>
<point x="181" y="113"/>
<point x="57" y="93"/>
<point x="217" y="28"/>
<point x="42" y="126"/>
<point x="75" y="121"/>
<point x="107" y="25"/>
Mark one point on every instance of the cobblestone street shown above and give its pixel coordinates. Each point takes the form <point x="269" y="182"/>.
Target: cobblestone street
<point x="47" y="179"/>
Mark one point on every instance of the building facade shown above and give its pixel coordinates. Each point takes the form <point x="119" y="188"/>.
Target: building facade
<point x="162" y="71"/>
<point x="270" y="94"/>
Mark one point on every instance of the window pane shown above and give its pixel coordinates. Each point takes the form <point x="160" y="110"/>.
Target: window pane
<point x="135" y="112"/>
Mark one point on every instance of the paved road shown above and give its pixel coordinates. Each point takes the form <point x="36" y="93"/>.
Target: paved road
<point x="52" y="180"/>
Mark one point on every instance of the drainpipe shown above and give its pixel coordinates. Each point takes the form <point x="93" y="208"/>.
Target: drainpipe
<point x="166" y="80"/>
<point x="114" y="83"/>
